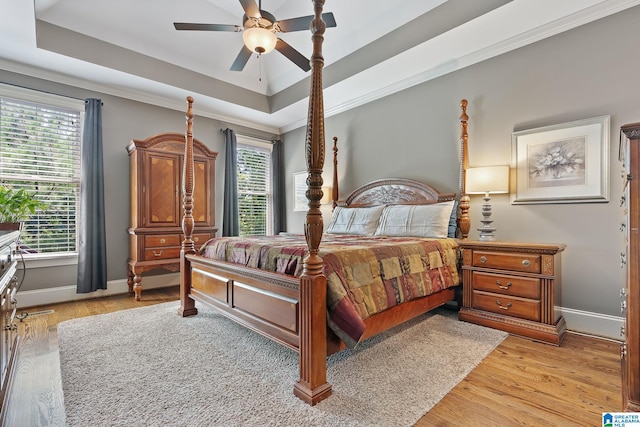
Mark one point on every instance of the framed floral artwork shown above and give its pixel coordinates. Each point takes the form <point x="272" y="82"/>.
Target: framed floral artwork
<point x="563" y="163"/>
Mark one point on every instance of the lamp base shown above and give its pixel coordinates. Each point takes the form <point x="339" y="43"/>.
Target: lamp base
<point x="486" y="231"/>
<point x="486" y="234"/>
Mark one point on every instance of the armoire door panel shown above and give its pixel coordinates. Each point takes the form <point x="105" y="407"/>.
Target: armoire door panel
<point x="162" y="184"/>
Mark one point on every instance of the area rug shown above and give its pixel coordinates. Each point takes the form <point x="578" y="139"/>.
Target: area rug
<point x="149" y="367"/>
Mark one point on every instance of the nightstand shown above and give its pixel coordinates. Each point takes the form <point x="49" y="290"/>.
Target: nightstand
<point x="513" y="287"/>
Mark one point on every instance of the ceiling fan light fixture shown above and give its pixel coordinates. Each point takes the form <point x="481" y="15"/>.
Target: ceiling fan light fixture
<point x="259" y="40"/>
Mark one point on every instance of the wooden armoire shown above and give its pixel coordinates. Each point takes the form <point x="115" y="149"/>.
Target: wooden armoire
<point x="155" y="233"/>
<point x="630" y="352"/>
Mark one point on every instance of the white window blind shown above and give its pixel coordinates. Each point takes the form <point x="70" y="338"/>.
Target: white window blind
<point x="254" y="188"/>
<point x="40" y="152"/>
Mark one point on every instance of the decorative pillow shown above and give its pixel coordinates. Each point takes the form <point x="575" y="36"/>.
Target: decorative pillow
<point x="453" y="220"/>
<point x="359" y="221"/>
<point x="416" y="220"/>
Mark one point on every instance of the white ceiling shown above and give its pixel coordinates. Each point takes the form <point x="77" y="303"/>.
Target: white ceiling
<point x="130" y="48"/>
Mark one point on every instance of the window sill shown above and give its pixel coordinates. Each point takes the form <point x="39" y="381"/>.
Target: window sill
<point x="44" y="261"/>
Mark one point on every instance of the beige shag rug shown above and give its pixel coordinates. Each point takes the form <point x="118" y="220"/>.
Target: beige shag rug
<point x="149" y="367"/>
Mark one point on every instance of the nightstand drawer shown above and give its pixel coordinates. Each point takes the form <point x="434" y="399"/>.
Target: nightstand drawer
<point x="511" y="261"/>
<point x="525" y="287"/>
<point x="509" y="306"/>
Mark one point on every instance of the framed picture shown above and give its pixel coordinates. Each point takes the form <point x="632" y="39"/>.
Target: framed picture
<point x="564" y="163"/>
<point x="300" y="202"/>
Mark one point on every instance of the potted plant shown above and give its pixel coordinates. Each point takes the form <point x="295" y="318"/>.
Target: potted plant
<point x="16" y="206"/>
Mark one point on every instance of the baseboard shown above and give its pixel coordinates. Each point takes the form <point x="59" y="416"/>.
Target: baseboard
<point x="589" y="323"/>
<point x="68" y="293"/>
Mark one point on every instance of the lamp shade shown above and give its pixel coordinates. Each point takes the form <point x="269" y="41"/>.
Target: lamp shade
<point x="259" y="39"/>
<point x="326" y="196"/>
<point x="487" y="179"/>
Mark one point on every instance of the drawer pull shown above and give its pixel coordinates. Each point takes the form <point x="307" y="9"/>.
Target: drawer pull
<point x="196" y="239"/>
<point x="483" y="259"/>
<point x="526" y="262"/>
<point x="503" y="307"/>
<point x="157" y="253"/>
<point x="501" y="286"/>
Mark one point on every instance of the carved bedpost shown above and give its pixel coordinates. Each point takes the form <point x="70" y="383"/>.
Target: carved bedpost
<point x="312" y="387"/>
<point x="187" y="305"/>
<point x="464" y="222"/>
<point x="334" y="191"/>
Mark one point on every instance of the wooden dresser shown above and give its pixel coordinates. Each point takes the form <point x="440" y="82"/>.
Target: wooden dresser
<point x="8" y="289"/>
<point x="630" y="294"/>
<point x="155" y="233"/>
<point x="513" y="287"/>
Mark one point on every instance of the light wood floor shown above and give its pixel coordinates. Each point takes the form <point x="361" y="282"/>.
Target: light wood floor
<point x="519" y="383"/>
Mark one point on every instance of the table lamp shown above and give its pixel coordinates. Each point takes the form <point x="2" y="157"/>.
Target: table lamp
<point x="487" y="180"/>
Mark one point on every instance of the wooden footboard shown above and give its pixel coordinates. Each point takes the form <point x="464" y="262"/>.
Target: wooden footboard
<point x="262" y="301"/>
<point x="268" y="303"/>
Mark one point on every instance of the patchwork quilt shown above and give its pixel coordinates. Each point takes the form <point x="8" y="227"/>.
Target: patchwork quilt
<point x="365" y="274"/>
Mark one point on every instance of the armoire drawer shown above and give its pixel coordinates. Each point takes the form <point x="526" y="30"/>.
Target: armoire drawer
<point x="162" y="240"/>
<point x="198" y="239"/>
<point x="162" y="253"/>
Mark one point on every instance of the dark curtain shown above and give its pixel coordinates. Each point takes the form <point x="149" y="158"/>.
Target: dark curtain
<point x="230" y="216"/>
<point x="92" y="248"/>
<point x="279" y="197"/>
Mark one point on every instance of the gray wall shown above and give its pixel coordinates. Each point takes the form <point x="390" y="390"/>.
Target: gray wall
<point x="586" y="72"/>
<point x="124" y="120"/>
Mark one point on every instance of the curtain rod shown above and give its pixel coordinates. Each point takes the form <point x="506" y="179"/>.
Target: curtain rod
<point x="246" y="135"/>
<point x="44" y="91"/>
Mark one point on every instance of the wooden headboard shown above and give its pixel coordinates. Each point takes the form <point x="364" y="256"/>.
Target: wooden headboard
<point x="395" y="191"/>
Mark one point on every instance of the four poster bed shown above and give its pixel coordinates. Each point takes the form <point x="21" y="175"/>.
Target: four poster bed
<point x="318" y="299"/>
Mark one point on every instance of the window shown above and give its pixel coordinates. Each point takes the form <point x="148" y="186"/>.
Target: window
<point x="255" y="199"/>
<point x="40" y="137"/>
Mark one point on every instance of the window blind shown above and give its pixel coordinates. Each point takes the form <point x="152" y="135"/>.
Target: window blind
<point x="254" y="189"/>
<point x="40" y="152"/>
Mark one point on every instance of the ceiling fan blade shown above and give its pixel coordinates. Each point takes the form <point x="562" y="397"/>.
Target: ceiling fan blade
<point x="206" y="27"/>
<point x="250" y="8"/>
<point x="293" y="55"/>
<point x="241" y="59"/>
<point x="302" y="23"/>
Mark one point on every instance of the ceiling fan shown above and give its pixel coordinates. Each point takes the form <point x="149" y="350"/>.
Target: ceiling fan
<point x="259" y="30"/>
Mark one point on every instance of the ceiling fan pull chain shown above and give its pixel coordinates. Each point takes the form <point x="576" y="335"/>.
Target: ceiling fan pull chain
<point x="260" y="68"/>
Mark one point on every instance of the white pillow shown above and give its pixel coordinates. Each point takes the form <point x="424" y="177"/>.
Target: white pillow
<point x="416" y="220"/>
<point x="358" y="221"/>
